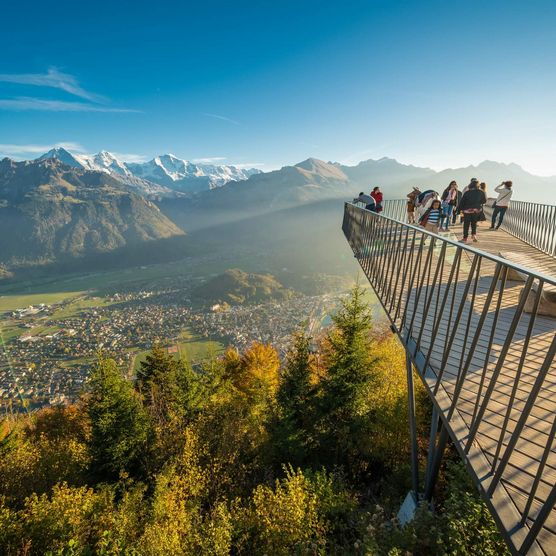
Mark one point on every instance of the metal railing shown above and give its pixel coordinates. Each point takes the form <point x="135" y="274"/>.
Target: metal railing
<point x="533" y="223"/>
<point x="477" y="329"/>
<point x="393" y="208"/>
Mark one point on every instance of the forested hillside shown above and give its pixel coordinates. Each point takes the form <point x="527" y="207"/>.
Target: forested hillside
<point x="237" y="287"/>
<point x="245" y="456"/>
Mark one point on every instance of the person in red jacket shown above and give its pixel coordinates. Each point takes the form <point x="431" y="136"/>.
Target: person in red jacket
<point x="376" y="194"/>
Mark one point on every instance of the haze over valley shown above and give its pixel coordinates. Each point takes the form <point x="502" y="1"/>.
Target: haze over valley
<point x="94" y="251"/>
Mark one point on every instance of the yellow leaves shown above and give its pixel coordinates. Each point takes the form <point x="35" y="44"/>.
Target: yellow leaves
<point x="69" y="514"/>
<point x="257" y="370"/>
<point x="285" y="518"/>
<point x="177" y="525"/>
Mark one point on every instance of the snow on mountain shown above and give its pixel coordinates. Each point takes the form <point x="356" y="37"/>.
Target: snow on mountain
<point x="165" y="171"/>
<point x="65" y="157"/>
<point x="184" y="175"/>
<point x="107" y="160"/>
<point x="109" y="164"/>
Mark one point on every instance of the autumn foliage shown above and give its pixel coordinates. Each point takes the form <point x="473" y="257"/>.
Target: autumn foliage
<point x="247" y="455"/>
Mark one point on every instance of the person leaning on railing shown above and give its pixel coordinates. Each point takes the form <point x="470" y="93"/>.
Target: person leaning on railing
<point x="501" y="204"/>
<point x="366" y="200"/>
<point x="471" y="205"/>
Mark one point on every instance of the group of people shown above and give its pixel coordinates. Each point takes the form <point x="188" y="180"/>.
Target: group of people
<point x="439" y="211"/>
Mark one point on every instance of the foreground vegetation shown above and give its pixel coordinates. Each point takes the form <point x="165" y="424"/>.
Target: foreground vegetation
<point x="247" y="456"/>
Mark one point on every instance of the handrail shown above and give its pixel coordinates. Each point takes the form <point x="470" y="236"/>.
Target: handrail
<point x="494" y="258"/>
<point x="533" y="223"/>
<point x="485" y="350"/>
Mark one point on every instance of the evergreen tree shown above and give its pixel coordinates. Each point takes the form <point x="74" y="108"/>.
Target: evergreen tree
<point x="157" y="381"/>
<point x="295" y="398"/>
<point x="343" y="409"/>
<point x="119" y="425"/>
<point x="170" y="388"/>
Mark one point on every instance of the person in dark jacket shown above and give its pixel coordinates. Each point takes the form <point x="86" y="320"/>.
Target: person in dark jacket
<point x="471" y="204"/>
<point x="455" y="212"/>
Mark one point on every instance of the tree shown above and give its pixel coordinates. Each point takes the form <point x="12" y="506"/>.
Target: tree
<point x="120" y="427"/>
<point x="255" y="374"/>
<point x="295" y="397"/>
<point x="343" y="409"/>
<point x="157" y="381"/>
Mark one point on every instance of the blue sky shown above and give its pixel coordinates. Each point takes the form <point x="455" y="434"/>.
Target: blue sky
<point x="438" y="84"/>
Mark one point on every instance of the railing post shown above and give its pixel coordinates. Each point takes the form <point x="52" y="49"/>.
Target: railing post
<point x="412" y="426"/>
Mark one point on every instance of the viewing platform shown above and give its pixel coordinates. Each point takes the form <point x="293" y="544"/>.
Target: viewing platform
<point x="478" y="322"/>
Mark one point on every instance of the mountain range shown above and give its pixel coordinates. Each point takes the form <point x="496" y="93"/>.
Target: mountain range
<point x="51" y="211"/>
<point x="65" y="206"/>
<point x="161" y="176"/>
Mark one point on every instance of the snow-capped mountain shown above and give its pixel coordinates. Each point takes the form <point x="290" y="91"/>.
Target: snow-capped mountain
<point x="188" y="176"/>
<point x="107" y="160"/>
<point x="108" y="163"/>
<point x="64" y="156"/>
<point x="160" y="175"/>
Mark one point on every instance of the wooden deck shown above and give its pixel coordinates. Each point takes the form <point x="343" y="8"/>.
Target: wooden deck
<point x="467" y="341"/>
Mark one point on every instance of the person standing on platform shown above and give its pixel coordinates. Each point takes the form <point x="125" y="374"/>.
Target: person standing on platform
<point x="376" y="194"/>
<point x="449" y="203"/>
<point x="471" y="204"/>
<point x="411" y="200"/>
<point x="455" y="212"/>
<point x="482" y="217"/>
<point x="501" y="204"/>
<point x="432" y="217"/>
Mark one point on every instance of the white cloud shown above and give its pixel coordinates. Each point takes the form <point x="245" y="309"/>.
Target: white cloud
<point x="219" y="117"/>
<point x="54" y="79"/>
<point x="32" y="149"/>
<point x="31" y="103"/>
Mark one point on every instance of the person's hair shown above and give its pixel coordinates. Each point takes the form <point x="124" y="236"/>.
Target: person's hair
<point x="375" y="188"/>
<point x="508" y="183"/>
<point x="361" y="193"/>
<point x="436" y="201"/>
<point x="453" y="182"/>
<point x="483" y="186"/>
<point x="473" y="185"/>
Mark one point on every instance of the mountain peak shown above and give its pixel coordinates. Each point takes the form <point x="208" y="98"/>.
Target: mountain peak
<point x="314" y="166"/>
<point x="63" y="155"/>
<point x="309" y="161"/>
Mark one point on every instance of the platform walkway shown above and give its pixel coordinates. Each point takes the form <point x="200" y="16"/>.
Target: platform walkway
<point x="484" y="352"/>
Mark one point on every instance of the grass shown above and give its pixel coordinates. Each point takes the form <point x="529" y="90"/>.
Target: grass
<point x="10" y="331"/>
<point x="75" y="307"/>
<point x="13" y="302"/>
<point x="191" y="347"/>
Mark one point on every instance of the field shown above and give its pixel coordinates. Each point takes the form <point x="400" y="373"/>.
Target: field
<point x="20" y="301"/>
<point x="191" y="347"/>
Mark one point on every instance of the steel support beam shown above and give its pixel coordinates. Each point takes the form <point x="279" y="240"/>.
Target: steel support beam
<point x="412" y="426"/>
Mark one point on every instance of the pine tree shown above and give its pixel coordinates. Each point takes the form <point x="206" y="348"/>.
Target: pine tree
<point x="294" y="429"/>
<point x="157" y="381"/>
<point x="120" y="427"/>
<point x="343" y="416"/>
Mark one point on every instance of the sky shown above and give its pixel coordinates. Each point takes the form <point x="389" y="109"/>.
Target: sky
<point x="269" y="83"/>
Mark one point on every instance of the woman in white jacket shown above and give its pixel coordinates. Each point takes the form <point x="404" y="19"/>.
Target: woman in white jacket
<point x="501" y="204"/>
